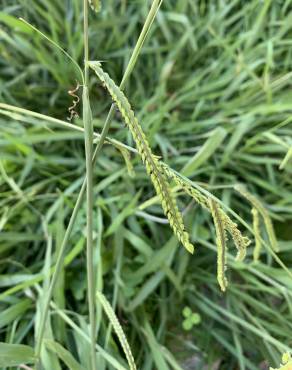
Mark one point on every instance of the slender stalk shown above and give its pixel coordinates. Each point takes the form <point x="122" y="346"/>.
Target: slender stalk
<point x="88" y="137"/>
<point x="61" y="255"/>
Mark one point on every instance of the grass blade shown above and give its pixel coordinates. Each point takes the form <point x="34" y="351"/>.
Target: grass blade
<point x="15" y="354"/>
<point x="118" y="329"/>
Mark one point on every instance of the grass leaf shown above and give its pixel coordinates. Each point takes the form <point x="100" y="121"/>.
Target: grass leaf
<point x="15" y="354"/>
<point x="63" y="354"/>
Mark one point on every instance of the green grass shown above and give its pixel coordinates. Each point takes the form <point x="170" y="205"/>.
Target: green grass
<point x="211" y="89"/>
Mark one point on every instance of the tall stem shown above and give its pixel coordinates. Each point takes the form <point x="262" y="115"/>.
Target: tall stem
<point x="88" y="137"/>
<point x="85" y="42"/>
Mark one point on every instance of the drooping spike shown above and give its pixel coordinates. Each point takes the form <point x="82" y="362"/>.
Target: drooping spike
<point x="151" y="162"/>
<point x="221" y="245"/>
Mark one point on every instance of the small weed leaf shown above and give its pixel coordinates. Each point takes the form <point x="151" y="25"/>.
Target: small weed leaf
<point x="191" y="318"/>
<point x="187" y="325"/>
<point x="151" y="162"/>
<point x="187" y="311"/>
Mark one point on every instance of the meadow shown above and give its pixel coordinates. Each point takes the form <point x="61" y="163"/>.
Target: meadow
<point x="145" y="184"/>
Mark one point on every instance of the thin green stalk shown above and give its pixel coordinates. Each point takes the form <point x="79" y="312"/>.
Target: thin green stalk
<point x="61" y="254"/>
<point x="88" y="138"/>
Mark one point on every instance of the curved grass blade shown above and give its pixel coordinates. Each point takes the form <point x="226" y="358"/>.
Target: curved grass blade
<point x="63" y="354"/>
<point x="118" y="329"/>
<point x="286" y="159"/>
<point x="55" y="45"/>
<point x="127" y="158"/>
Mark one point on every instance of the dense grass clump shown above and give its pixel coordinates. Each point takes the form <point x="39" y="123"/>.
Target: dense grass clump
<point x="210" y="85"/>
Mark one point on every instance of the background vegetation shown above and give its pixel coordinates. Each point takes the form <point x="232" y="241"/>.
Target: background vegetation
<point x="212" y="89"/>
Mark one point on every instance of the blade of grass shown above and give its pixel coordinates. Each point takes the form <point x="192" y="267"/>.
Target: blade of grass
<point x="55" y="45"/>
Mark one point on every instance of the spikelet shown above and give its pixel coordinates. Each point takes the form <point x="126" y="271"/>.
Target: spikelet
<point x="118" y="329"/>
<point x="256" y="231"/>
<point x="263" y="212"/>
<point x="151" y="162"/>
<point x="221" y="245"/>
<point x="240" y="241"/>
<point x="188" y="188"/>
<point x="222" y="223"/>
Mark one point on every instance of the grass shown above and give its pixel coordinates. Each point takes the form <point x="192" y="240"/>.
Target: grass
<point x="88" y="141"/>
<point x="213" y="97"/>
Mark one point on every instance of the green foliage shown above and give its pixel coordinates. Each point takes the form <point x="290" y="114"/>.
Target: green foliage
<point x="191" y="318"/>
<point x="159" y="172"/>
<point x="211" y="89"/>
<point x="15" y="354"/>
<point x="205" y="200"/>
<point x="63" y="354"/>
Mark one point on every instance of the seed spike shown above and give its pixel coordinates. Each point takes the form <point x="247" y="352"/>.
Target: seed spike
<point x="152" y="164"/>
<point x="221" y="245"/>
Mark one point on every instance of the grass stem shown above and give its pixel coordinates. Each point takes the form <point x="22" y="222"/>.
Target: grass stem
<point x="88" y="137"/>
